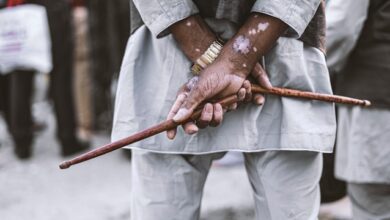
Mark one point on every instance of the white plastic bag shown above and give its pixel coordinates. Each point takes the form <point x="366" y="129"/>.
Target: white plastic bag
<point x="24" y="39"/>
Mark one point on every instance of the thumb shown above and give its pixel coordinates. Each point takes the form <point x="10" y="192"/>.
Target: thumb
<point x="261" y="76"/>
<point x="194" y="98"/>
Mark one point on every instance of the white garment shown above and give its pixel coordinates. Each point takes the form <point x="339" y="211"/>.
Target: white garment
<point x="154" y="69"/>
<point x="170" y="186"/>
<point x="363" y="136"/>
<point x="363" y="145"/>
<point x="370" y="201"/>
<point x="344" y="22"/>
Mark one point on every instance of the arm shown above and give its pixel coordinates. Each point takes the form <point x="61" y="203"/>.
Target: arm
<point x="236" y="61"/>
<point x="238" y="57"/>
<point x="193" y="36"/>
<point x="227" y="73"/>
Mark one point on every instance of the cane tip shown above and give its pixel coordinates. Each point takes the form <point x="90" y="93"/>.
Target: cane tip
<point x="366" y="103"/>
<point x="65" y="165"/>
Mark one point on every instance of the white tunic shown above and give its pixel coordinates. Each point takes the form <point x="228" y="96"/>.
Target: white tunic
<point x="363" y="145"/>
<point x="363" y="135"/>
<point x="153" y="70"/>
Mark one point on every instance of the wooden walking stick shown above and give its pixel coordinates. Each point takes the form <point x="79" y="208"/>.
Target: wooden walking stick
<point x="310" y="95"/>
<point x="170" y="124"/>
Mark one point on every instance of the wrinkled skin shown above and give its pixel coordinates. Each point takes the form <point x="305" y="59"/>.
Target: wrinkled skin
<point x="201" y="88"/>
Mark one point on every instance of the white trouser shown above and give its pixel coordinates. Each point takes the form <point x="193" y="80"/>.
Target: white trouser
<point x="169" y="186"/>
<point x="370" y="201"/>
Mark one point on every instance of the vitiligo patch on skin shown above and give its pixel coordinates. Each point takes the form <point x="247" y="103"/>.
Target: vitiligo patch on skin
<point x="262" y="26"/>
<point x="254" y="49"/>
<point x="244" y="65"/>
<point x="188" y="23"/>
<point x="197" y="50"/>
<point x="192" y="82"/>
<point x="252" y="31"/>
<point x="241" y="45"/>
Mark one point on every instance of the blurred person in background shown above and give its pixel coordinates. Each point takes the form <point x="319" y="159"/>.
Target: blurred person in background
<point x="82" y="75"/>
<point x="61" y="77"/>
<point x="16" y="91"/>
<point x="359" y="52"/>
<point x="109" y="30"/>
<point x="18" y="85"/>
<point x="334" y="202"/>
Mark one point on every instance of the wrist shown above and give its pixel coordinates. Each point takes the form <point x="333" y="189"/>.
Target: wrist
<point x="208" y="57"/>
<point x="237" y="64"/>
<point x="193" y="36"/>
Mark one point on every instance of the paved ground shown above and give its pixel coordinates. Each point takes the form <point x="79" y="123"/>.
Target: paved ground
<point x="97" y="190"/>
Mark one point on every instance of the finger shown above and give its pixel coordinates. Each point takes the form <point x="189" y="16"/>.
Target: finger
<point x="194" y="98"/>
<point x="248" y="97"/>
<point x="206" y="116"/>
<point x="217" y="116"/>
<point x="248" y="89"/>
<point x="175" y="107"/>
<point x="241" y="94"/>
<point x="261" y="76"/>
<point x="258" y="99"/>
<point x="247" y="86"/>
<point x="190" y="128"/>
<point x="171" y="134"/>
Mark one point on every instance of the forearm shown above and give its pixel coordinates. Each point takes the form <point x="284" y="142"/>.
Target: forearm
<point x="254" y="39"/>
<point x="193" y="36"/>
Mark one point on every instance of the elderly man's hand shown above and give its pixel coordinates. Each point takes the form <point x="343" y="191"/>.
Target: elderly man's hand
<point x="216" y="81"/>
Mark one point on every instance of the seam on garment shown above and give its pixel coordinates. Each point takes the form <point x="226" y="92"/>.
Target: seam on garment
<point x="248" y="148"/>
<point x="165" y="7"/>
<point x="265" y="11"/>
<point x="154" y="18"/>
<point x="265" y="134"/>
<point x="226" y="150"/>
<point x="169" y="20"/>
<point x="259" y="175"/>
<point x="162" y="12"/>
<point x="286" y="19"/>
<point x="161" y="3"/>
<point x="291" y="11"/>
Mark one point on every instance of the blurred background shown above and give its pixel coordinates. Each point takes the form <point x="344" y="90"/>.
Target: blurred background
<point x="64" y="105"/>
<point x="47" y="117"/>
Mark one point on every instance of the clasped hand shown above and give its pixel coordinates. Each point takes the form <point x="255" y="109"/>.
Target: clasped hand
<point x="216" y="81"/>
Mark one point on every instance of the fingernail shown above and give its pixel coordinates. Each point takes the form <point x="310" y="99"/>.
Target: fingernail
<point x="181" y="114"/>
<point x="260" y="100"/>
<point x="267" y="84"/>
<point x="192" y="129"/>
<point x="209" y="108"/>
<point x="218" y="108"/>
<point x="171" y="134"/>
